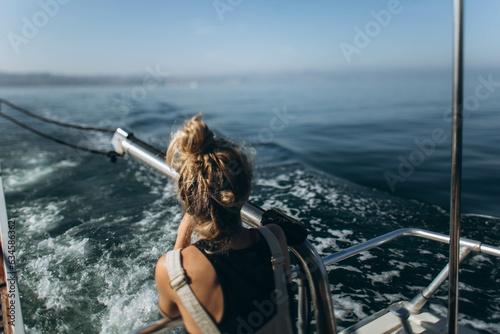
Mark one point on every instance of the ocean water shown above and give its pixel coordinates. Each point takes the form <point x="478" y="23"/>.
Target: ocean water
<point x="351" y="159"/>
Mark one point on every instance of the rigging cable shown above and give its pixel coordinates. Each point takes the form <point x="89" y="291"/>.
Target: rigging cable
<point x="110" y="154"/>
<point x="48" y="120"/>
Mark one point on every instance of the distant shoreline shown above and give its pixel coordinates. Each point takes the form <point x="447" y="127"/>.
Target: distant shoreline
<point x="309" y="77"/>
<point x="45" y="79"/>
<point x="300" y="77"/>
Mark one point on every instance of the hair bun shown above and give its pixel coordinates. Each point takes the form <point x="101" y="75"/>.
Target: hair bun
<point x="196" y="137"/>
<point x="215" y="179"/>
<point x="227" y="197"/>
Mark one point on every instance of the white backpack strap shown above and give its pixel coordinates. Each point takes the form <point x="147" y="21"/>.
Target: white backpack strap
<point x="278" y="261"/>
<point x="179" y="284"/>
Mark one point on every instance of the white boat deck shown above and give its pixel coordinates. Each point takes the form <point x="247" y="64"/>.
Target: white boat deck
<point x="386" y="322"/>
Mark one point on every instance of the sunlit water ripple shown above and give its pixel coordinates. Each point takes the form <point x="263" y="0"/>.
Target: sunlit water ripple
<point x="89" y="232"/>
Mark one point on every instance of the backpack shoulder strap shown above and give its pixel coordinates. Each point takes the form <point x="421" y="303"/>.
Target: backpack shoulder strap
<point x="179" y="284"/>
<point x="278" y="261"/>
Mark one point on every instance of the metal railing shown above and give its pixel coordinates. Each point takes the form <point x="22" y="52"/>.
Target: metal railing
<point x="476" y="246"/>
<point x="456" y="162"/>
<point x="416" y="303"/>
<point x="313" y="285"/>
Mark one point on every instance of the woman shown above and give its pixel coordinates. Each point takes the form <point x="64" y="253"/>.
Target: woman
<point x="225" y="282"/>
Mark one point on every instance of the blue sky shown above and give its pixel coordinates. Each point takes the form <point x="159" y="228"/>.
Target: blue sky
<point x="192" y="37"/>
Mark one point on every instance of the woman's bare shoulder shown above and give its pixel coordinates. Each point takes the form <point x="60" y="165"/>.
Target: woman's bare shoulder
<point x="188" y="256"/>
<point x="195" y="266"/>
<point x="161" y="273"/>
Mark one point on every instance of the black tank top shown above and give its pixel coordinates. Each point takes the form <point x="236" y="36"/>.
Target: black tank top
<point x="247" y="281"/>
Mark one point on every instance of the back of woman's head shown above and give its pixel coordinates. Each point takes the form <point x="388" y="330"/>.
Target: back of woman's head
<point x="214" y="179"/>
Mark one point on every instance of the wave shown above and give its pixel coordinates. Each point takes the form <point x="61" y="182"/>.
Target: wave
<point x="99" y="271"/>
<point x="22" y="178"/>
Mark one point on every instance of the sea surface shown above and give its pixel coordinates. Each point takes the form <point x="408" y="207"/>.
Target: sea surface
<point x="352" y="159"/>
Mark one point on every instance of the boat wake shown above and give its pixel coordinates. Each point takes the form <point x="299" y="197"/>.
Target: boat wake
<point x="87" y="250"/>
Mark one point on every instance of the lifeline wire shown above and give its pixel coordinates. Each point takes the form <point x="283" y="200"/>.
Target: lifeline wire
<point x="111" y="154"/>
<point x="48" y="120"/>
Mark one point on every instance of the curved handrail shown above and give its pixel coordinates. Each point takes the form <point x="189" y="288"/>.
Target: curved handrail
<point x="471" y="245"/>
<point x="414" y="232"/>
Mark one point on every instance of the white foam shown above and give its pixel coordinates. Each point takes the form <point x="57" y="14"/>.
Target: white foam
<point x="313" y="193"/>
<point x="479" y="324"/>
<point x="52" y="286"/>
<point x="366" y="256"/>
<point x="332" y="197"/>
<point x="479" y="260"/>
<point x="321" y="243"/>
<point x="383" y="277"/>
<point x="439" y="309"/>
<point x="20" y="179"/>
<point x="31" y="330"/>
<point x="346" y="308"/>
<point x="272" y="183"/>
<point x="341" y="234"/>
<point x="344" y="267"/>
<point x="317" y="225"/>
<point x="37" y="217"/>
<point x="127" y="307"/>
<point x="283" y="178"/>
<point x="283" y="206"/>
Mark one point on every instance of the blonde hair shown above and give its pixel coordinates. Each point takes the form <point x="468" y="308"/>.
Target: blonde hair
<point x="214" y="180"/>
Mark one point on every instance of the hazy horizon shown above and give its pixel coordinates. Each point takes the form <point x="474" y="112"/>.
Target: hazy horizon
<point x="443" y="74"/>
